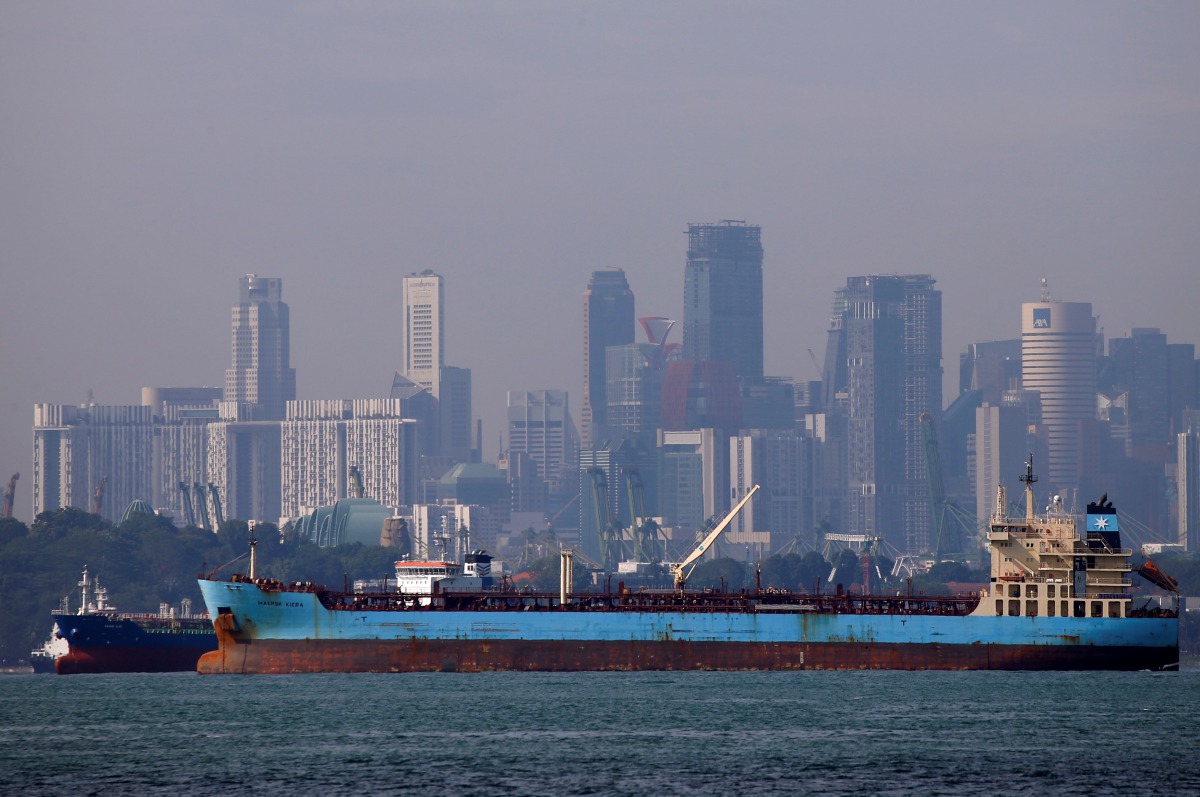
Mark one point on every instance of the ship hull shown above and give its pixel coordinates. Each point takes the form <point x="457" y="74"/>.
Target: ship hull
<point x="286" y="656"/>
<point x="101" y="643"/>
<point x="284" y="632"/>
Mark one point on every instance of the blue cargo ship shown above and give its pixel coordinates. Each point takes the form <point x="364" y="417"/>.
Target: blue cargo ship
<point x="100" y="640"/>
<point x="1057" y="600"/>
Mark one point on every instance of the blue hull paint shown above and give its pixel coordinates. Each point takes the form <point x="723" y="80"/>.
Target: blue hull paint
<point x="290" y="616"/>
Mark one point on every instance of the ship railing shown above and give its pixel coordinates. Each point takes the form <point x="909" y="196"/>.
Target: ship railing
<point x="1109" y="582"/>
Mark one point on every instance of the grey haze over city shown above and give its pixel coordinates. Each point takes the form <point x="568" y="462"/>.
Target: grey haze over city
<point x="154" y="153"/>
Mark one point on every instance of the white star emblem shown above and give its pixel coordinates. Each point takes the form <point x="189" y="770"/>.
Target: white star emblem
<point x="1102" y="523"/>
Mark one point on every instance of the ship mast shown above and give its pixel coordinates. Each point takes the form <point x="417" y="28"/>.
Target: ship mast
<point x="1028" y="479"/>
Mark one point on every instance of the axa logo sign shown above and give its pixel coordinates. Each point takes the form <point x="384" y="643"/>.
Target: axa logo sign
<point x="1041" y="318"/>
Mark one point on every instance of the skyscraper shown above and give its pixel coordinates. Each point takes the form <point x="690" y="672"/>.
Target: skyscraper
<point x="723" y="296"/>
<point x="1058" y="359"/>
<point x="92" y="457"/>
<point x="607" y="321"/>
<point x="883" y="372"/>
<point x="540" y="425"/>
<point x="423" y="334"/>
<point x="261" y="375"/>
<point x="322" y="440"/>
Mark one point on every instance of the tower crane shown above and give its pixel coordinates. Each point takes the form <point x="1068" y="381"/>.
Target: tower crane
<point x="10" y="493"/>
<point x="356" y="482"/>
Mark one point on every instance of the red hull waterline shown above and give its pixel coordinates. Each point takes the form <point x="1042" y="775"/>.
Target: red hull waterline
<point x="126" y="659"/>
<point x="413" y="655"/>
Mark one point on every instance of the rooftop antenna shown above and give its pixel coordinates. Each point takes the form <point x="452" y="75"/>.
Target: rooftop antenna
<point x="1045" y="290"/>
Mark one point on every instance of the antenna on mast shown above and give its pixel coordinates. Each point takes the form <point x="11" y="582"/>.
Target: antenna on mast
<point x="1045" y="290"/>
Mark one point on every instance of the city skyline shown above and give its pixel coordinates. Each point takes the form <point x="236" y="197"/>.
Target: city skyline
<point x="1066" y="150"/>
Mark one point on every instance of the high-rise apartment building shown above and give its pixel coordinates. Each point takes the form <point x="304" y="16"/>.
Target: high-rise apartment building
<point x="244" y="463"/>
<point x="607" y="321"/>
<point x="261" y="375"/>
<point x="92" y="454"/>
<point x="322" y="440"/>
<point x="181" y="417"/>
<point x="883" y="372"/>
<point x="1058" y="359"/>
<point x="423" y="334"/>
<point x="723" y="296"/>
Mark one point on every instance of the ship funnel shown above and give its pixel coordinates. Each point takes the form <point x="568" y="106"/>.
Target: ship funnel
<point x="565" y="576"/>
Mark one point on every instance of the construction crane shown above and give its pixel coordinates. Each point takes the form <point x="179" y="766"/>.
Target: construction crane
<point x="356" y="482"/>
<point x="202" y="505"/>
<point x="681" y="570"/>
<point x="98" y="495"/>
<point x="10" y="493"/>
<point x="187" y="504"/>
<point x="218" y="513"/>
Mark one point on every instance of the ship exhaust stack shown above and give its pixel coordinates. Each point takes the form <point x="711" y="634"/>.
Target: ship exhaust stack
<point x="565" y="576"/>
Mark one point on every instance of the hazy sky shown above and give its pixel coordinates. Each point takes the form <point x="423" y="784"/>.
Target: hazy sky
<point x="153" y="152"/>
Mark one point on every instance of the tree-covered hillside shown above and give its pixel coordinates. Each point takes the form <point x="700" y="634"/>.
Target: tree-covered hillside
<point x="144" y="562"/>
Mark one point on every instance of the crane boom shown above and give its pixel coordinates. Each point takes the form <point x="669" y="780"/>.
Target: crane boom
<point x="98" y="495"/>
<point x="10" y="493"/>
<point x="681" y="574"/>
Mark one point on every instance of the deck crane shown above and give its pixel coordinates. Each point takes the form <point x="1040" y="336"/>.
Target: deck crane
<point x="202" y="505"/>
<point x="98" y="495"/>
<point x="681" y="570"/>
<point x="218" y="513"/>
<point x="10" y="493"/>
<point x="189" y="515"/>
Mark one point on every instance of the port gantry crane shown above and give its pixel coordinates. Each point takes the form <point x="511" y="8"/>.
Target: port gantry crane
<point x="10" y="493"/>
<point x="648" y="543"/>
<point x="682" y="570"/>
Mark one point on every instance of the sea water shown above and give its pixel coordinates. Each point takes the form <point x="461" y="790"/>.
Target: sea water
<point x="649" y="733"/>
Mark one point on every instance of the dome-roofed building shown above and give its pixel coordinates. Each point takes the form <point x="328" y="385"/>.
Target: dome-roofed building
<point x="346" y="521"/>
<point x="137" y="507"/>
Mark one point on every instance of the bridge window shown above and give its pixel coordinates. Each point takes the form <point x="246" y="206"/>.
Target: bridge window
<point x="1014" y="608"/>
<point x="999" y="608"/>
<point x="1097" y="608"/>
<point x="1049" y="590"/>
<point x="1050" y="607"/>
<point x="1031" y="591"/>
<point x="1031" y="608"/>
<point x="1114" y="609"/>
<point x="1080" y="609"/>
